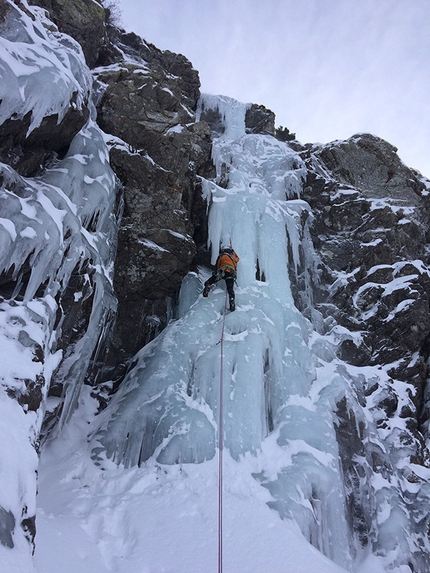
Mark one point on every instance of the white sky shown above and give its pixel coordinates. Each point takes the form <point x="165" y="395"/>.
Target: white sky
<point x="327" y="68"/>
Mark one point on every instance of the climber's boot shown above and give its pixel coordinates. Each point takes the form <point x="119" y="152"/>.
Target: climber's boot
<point x="232" y="304"/>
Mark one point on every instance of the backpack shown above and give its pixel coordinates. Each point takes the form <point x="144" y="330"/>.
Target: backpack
<point x="227" y="261"/>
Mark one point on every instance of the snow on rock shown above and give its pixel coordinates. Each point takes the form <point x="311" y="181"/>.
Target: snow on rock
<point x="321" y="470"/>
<point x="33" y="57"/>
<point x="58" y="239"/>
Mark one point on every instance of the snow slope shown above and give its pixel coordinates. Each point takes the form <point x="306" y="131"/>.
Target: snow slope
<point x="157" y="518"/>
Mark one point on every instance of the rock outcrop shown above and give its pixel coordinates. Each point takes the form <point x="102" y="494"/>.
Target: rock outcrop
<point x="158" y="151"/>
<point x="83" y="20"/>
<point x="259" y="119"/>
<point x="371" y="231"/>
<point x="371" y="228"/>
<point x="26" y="147"/>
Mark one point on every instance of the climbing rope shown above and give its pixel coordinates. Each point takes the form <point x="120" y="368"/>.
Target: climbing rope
<point x="220" y="441"/>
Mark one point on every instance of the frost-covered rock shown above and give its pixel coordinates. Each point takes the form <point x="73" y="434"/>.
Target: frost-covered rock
<point x="83" y="20"/>
<point x="58" y="238"/>
<point x="372" y="240"/>
<point x="370" y="228"/>
<point x="158" y="150"/>
<point x="371" y="165"/>
<point x="36" y="123"/>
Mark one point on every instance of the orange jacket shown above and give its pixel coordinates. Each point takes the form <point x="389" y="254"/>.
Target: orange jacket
<point x="227" y="262"/>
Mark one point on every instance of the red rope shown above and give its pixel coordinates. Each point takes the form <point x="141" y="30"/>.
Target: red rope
<point x="220" y="443"/>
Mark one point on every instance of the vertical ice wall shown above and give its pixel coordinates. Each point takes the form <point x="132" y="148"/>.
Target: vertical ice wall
<point x="168" y="405"/>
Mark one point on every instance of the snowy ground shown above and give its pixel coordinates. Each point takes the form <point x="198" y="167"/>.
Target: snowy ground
<point x="102" y="518"/>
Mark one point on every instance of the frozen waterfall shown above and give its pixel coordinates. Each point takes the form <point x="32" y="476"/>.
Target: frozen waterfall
<point x="316" y="450"/>
<point x="167" y="407"/>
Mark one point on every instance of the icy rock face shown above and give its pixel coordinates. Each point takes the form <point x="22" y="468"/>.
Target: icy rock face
<point x="157" y="149"/>
<point x="58" y="239"/>
<point x="83" y="20"/>
<point x="371" y="219"/>
<point x="323" y="365"/>
<point x="34" y="55"/>
<point x="373" y="242"/>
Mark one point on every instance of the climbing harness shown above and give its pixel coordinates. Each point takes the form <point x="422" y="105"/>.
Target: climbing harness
<point x="220" y="440"/>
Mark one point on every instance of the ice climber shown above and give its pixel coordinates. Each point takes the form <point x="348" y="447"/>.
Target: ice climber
<point x="225" y="268"/>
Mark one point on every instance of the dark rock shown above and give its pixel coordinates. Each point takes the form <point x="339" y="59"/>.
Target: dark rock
<point x="28" y="525"/>
<point x="83" y="20"/>
<point x="163" y="151"/>
<point x="356" y="354"/>
<point x="28" y="154"/>
<point x="140" y="106"/>
<point x="4" y="9"/>
<point x="187" y="77"/>
<point x="350" y="434"/>
<point x="31" y="398"/>
<point x="373" y="166"/>
<point x="7" y="526"/>
<point x="166" y="64"/>
<point x="259" y="119"/>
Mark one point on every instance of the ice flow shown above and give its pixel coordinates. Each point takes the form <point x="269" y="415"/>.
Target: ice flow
<point x="167" y="408"/>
